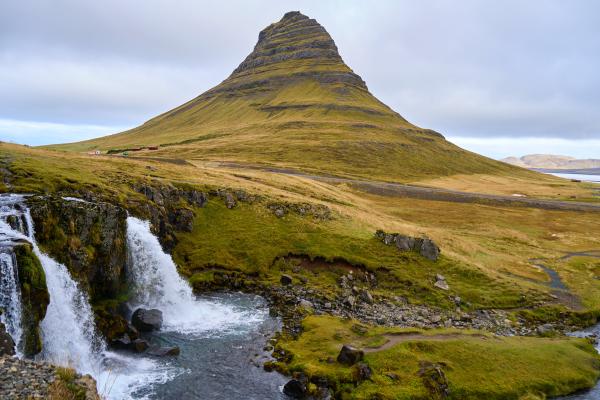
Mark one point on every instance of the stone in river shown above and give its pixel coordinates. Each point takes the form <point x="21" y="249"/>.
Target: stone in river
<point x="147" y="320"/>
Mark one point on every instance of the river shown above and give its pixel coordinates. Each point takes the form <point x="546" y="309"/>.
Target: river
<point x="593" y="394"/>
<point x="221" y="336"/>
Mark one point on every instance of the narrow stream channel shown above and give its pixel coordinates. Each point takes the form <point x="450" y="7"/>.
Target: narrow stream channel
<point x="593" y="394"/>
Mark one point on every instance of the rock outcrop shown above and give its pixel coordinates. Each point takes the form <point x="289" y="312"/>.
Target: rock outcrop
<point x="88" y="238"/>
<point x="170" y="209"/>
<point x="34" y="297"/>
<point x="424" y="246"/>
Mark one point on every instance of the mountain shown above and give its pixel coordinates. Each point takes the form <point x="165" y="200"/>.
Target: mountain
<point x="293" y="102"/>
<point x="549" y="161"/>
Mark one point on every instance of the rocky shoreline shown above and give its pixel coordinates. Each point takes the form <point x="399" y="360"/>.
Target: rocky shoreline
<point x="292" y="301"/>
<point x="25" y="379"/>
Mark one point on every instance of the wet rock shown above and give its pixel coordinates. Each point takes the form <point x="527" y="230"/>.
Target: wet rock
<point x="285" y="280"/>
<point x="296" y="389"/>
<point x="139" y="345"/>
<point x="163" y="351"/>
<point x="147" y="320"/>
<point x="349" y="355"/>
<point x="7" y="345"/>
<point x="122" y="343"/>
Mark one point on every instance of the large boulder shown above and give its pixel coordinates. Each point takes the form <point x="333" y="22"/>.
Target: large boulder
<point x="147" y="320"/>
<point x="429" y="249"/>
<point x="350" y="355"/>
<point x="296" y="388"/>
<point x="424" y="246"/>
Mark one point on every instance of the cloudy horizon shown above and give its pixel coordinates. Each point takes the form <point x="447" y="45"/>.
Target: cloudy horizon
<point x="498" y="79"/>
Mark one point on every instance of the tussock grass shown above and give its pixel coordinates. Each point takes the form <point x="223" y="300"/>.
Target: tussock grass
<point x="476" y="366"/>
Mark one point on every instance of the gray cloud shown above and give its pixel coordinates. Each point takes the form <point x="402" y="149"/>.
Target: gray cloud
<point x="467" y="69"/>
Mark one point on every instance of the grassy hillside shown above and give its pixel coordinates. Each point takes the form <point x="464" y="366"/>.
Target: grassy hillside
<point x="294" y="103"/>
<point x="476" y="366"/>
<point x="485" y="259"/>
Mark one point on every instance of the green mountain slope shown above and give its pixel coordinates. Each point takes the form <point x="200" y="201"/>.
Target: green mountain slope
<point x="293" y="102"/>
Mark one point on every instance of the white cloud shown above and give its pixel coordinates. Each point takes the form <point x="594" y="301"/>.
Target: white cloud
<point x="466" y="69"/>
<point x="502" y="147"/>
<point x="40" y="133"/>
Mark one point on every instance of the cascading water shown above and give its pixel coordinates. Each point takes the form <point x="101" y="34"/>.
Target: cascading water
<point x="69" y="336"/>
<point x="10" y="294"/>
<point x="10" y="297"/>
<point x="157" y="284"/>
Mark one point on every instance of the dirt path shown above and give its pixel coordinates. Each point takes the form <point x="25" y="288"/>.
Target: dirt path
<point x="586" y="253"/>
<point x="427" y="193"/>
<point x="395" y="338"/>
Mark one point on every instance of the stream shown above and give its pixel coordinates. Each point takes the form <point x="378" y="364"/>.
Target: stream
<point x="221" y="337"/>
<point x="593" y="394"/>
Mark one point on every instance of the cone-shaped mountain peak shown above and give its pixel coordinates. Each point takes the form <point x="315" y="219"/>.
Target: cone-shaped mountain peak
<point x="293" y="102"/>
<point x="295" y="37"/>
<point x="295" y="47"/>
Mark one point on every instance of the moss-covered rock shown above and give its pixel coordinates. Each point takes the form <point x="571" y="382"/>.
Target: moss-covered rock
<point x="34" y="297"/>
<point x="88" y="238"/>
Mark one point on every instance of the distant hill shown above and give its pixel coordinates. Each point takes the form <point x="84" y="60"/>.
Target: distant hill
<point x="293" y="102"/>
<point x="549" y="161"/>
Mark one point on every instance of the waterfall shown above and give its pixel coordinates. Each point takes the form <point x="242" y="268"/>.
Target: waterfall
<point x="10" y="298"/>
<point x="69" y="336"/>
<point x="156" y="283"/>
<point x="10" y="293"/>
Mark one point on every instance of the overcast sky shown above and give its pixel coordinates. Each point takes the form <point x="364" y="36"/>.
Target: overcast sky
<point x="497" y="77"/>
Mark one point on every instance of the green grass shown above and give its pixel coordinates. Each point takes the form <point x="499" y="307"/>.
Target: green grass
<point x="252" y="240"/>
<point x="482" y="366"/>
<point x="297" y="113"/>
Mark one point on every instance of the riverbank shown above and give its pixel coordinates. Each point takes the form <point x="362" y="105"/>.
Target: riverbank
<point x="26" y="379"/>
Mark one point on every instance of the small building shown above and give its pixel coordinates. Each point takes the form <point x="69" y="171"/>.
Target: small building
<point x="153" y="148"/>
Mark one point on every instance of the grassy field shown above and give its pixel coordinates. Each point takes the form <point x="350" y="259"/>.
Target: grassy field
<point x="476" y="365"/>
<point x="485" y="258"/>
<point x="494" y="243"/>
